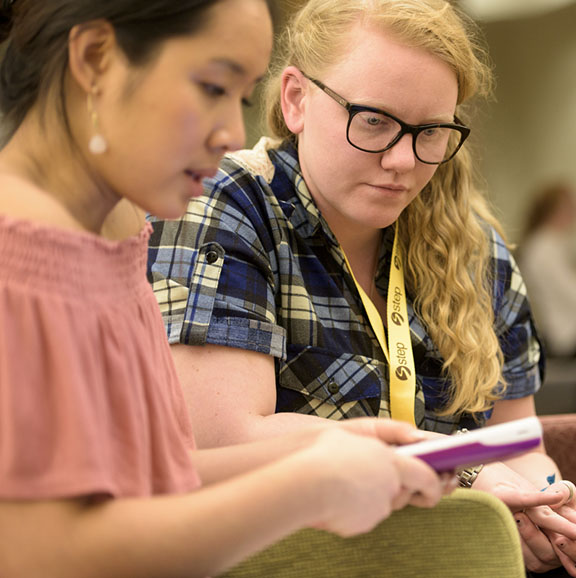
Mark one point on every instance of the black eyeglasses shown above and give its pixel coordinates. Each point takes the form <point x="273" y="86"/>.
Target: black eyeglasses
<point x="374" y="131"/>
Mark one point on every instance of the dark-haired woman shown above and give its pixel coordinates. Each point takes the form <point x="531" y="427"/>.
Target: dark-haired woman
<point x="111" y="100"/>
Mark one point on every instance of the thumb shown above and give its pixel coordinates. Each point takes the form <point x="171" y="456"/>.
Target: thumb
<point x="398" y="432"/>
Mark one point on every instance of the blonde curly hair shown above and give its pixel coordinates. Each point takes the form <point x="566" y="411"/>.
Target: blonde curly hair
<point x="444" y="232"/>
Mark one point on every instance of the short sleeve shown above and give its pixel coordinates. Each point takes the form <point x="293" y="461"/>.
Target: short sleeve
<point x="89" y="399"/>
<point x="212" y="270"/>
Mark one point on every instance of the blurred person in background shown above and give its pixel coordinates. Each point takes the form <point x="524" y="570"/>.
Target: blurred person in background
<point x="548" y="262"/>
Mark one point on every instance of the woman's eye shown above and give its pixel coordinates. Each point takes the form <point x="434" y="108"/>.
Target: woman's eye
<point x="217" y="91"/>
<point x="432" y="133"/>
<point x="213" y="90"/>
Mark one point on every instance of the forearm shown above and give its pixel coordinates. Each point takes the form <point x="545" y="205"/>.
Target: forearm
<point x="248" y="428"/>
<point x="217" y="464"/>
<point x="279" y="424"/>
<point x="194" y="535"/>
<point x="536" y="467"/>
<point x="344" y="482"/>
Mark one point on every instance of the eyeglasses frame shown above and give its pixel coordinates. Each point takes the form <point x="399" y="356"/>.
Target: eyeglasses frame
<point x="405" y="128"/>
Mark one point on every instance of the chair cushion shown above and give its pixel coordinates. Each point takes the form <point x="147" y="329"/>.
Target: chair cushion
<point x="469" y="533"/>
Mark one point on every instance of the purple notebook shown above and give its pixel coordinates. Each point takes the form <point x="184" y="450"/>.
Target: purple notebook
<point x="481" y="446"/>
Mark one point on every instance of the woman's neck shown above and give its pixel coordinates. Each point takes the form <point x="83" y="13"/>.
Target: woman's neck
<point x="362" y="252"/>
<point x="48" y="164"/>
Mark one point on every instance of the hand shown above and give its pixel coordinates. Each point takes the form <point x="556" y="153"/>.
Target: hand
<point x="539" y="515"/>
<point x="363" y="481"/>
<point x="391" y="431"/>
<point x="564" y="547"/>
<point x="398" y="433"/>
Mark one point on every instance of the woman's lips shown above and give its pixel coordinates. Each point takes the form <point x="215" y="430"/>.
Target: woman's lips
<point x="392" y="190"/>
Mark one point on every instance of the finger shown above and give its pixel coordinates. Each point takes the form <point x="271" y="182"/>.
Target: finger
<point x="421" y="501"/>
<point x="418" y="477"/>
<point x="449" y="482"/>
<point x="532" y="563"/>
<point x="567" y="511"/>
<point x="567" y="561"/>
<point x="563" y="546"/>
<point x="545" y="518"/>
<point x="517" y="499"/>
<point x="402" y="499"/>
<point x="539" y="554"/>
<point x="571" y="490"/>
<point x="566" y="489"/>
<point x="396" y="432"/>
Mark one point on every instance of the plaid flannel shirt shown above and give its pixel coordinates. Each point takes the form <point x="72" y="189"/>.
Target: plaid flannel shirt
<point x="253" y="265"/>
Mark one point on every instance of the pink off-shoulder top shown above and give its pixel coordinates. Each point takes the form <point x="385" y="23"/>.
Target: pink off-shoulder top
<point x="89" y="398"/>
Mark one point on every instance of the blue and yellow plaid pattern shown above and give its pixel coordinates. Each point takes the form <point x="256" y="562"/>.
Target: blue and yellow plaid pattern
<point x="252" y="264"/>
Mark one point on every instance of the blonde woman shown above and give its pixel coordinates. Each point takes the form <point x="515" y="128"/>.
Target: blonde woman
<point x="348" y="266"/>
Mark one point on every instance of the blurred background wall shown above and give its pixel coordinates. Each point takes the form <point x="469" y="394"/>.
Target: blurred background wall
<point x="528" y="136"/>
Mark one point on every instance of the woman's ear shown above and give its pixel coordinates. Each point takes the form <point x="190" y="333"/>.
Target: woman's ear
<point x="293" y="98"/>
<point x="91" y="47"/>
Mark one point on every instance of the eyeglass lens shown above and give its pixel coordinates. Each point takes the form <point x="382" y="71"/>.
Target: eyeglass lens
<point x="373" y="132"/>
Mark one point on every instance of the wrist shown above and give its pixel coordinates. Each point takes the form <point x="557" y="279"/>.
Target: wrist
<point x="467" y="476"/>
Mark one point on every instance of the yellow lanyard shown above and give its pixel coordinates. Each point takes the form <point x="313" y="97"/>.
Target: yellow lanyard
<point x="398" y="351"/>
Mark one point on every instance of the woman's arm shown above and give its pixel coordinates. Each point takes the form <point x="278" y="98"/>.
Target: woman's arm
<point x="530" y="471"/>
<point x="536" y="466"/>
<point x="342" y="482"/>
<point x="231" y="394"/>
<point x="218" y="464"/>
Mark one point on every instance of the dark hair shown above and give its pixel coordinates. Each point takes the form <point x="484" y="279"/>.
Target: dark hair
<point x="37" y="31"/>
<point x="545" y="204"/>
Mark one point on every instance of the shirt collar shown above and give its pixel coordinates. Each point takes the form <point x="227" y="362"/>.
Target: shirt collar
<point x="305" y="215"/>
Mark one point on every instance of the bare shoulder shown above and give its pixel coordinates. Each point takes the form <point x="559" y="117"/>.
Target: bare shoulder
<point x="21" y="199"/>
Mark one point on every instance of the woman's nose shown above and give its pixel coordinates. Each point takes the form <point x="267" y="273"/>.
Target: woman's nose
<point x="400" y="157"/>
<point x="230" y="135"/>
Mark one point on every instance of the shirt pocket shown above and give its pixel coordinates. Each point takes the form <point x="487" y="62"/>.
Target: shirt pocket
<point x="317" y="376"/>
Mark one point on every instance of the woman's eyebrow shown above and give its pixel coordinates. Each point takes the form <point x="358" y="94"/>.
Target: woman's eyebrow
<point x="234" y="67"/>
<point x="231" y="65"/>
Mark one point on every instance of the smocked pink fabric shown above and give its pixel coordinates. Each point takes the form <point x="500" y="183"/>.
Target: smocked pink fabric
<point x="89" y="398"/>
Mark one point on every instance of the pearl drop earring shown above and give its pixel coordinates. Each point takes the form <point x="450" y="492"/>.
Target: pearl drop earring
<point x="97" y="144"/>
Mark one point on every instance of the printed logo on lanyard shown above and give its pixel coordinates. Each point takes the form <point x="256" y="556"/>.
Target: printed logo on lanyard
<point x="398" y="350"/>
